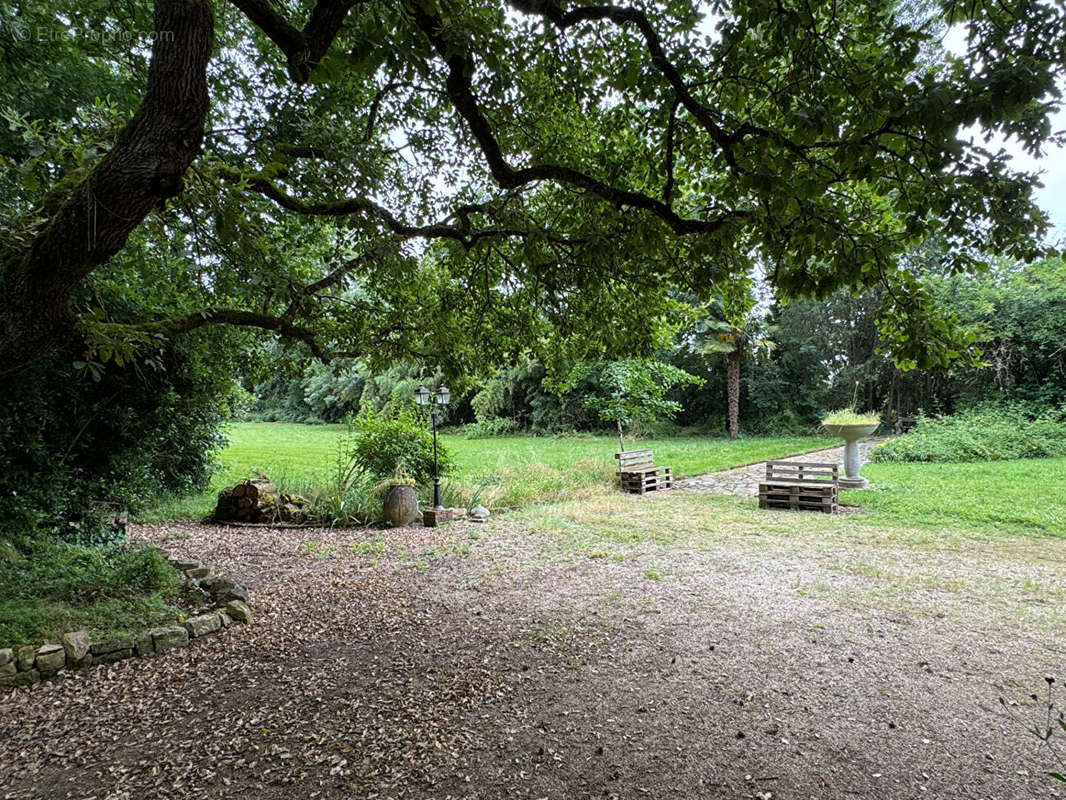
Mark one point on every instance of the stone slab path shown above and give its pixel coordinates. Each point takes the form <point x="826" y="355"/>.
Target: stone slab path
<point x="744" y="481"/>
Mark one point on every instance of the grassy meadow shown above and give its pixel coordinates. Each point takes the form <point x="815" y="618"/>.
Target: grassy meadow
<point x="501" y="473"/>
<point x="309" y="450"/>
<point x="982" y="499"/>
<point x="944" y="567"/>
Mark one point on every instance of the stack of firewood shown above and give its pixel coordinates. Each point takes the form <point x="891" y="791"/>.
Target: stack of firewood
<point x="258" y="500"/>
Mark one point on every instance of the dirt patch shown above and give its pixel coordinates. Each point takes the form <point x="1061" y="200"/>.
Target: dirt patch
<point x="456" y="662"/>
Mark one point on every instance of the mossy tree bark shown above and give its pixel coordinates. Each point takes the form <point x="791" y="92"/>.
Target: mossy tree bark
<point x="145" y="167"/>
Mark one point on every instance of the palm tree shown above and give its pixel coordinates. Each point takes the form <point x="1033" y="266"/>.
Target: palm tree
<point x="748" y="336"/>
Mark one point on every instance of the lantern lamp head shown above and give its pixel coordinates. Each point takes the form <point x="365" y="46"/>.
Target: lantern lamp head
<point x="422" y="395"/>
<point x="443" y="395"/>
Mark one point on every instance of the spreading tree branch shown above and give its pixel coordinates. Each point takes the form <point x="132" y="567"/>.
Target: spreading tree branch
<point x="329" y="280"/>
<point x="725" y="140"/>
<point x="460" y="91"/>
<point x="240" y="318"/>
<point x="620" y="15"/>
<point x="305" y="48"/>
<point x="464" y="233"/>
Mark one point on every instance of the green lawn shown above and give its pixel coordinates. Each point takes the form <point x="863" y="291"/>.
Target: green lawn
<point x="986" y="558"/>
<point x="1027" y="496"/>
<point x="1012" y="497"/>
<point x="308" y="450"/>
<point x="505" y="472"/>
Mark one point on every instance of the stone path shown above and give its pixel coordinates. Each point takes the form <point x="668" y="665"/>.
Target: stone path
<point x="744" y="481"/>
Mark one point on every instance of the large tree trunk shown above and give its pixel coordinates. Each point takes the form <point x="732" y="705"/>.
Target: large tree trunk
<point x="732" y="388"/>
<point x="145" y="167"/>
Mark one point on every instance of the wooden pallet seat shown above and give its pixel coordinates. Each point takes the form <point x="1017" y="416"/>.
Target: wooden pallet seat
<point x="800" y="485"/>
<point x="638" y="474"/>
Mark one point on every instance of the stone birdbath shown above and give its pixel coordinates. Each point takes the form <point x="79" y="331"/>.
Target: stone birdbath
<point x="852" y="433"/>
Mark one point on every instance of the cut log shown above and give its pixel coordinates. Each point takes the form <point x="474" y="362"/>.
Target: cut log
<point x="262" y="489"/>
<point x="257" y="500"/>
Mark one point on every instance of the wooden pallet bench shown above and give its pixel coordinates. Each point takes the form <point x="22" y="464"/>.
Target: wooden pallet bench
<point x="638" y="474"/>
<point x="800" y="485"/>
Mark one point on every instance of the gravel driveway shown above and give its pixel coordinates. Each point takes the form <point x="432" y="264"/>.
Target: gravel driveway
<point x="459" y="663"/>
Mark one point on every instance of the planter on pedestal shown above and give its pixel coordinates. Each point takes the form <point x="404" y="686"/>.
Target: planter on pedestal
<point x="851" y="434"/>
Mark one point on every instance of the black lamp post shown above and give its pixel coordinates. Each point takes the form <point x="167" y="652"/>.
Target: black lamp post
<point x="422" y="397"/>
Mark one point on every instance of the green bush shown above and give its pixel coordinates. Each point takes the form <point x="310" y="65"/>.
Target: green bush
<point x="988" y="433"/>
<point x="50" y="586"/>
<point x="81" y="441"/>
<point x="378" y="446"/>
<point x="491" y="427"/>
<point x="383" y="444"/>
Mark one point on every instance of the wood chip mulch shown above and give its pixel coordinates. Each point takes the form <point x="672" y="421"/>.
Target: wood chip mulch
<point x="429" y="663"/>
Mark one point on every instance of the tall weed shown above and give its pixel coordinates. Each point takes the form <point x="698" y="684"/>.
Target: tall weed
<point x="986" y="433"/>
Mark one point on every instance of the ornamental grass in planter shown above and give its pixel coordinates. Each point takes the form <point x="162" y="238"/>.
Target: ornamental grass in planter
<point x="852" y="427"/>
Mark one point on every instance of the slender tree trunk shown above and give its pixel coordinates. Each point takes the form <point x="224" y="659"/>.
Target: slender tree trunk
<point x="146" y="166"/>
<point x="732" y="380"/>
<point x="621" y="438"/>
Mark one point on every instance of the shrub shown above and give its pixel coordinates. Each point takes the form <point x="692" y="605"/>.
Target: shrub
<point x="488" y="428"/>
<point x="988" y="433"/>
<point x="382" y="444"/>
<point x="378" y="446"/>
<point x="81" y="440"/>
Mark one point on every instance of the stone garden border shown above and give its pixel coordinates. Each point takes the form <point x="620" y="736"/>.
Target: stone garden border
<point x="228" y="604"/>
